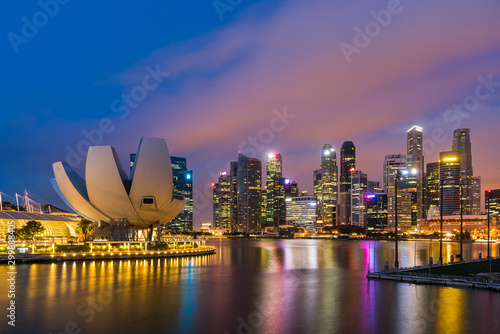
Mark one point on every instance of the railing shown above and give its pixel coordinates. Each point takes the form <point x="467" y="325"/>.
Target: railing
<point x="464" y="279"/>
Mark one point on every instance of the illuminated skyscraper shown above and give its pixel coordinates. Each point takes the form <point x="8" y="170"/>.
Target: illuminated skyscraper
<point x="493" y="197"/>
<point x="476" y="195"/>
<point x="347" y="165"/>
<point x="329" y="185"/>
<point x="301" y="211"/>
<point x="432" y="187"/>
<point x="183" y="185"/>
<point x="462" y="146"/>
<point x="376" y="211"/>
<point x="317" y="191"/>
<point x="222" y="202"/>
<point x="392" y="164"/>
<point x="449" y="176"/>
<point x="249" y="187"/>
<point x="404" y="210"/>
<point x="216" y="205"/>
<point x="233" y="176"/>
<point x="416" y="165"/>
<point x="359" y="185"/>
<point x="275" y="206"/>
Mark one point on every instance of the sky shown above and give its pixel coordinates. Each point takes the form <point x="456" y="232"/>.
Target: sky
<point x="217" y="77"/>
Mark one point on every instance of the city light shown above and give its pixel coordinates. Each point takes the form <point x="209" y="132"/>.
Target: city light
<point x="352" y="169"/>
<point x="450" y="159"/>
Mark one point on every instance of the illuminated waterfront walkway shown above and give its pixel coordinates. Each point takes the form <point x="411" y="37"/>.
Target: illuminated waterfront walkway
<point x="108" y="250"/>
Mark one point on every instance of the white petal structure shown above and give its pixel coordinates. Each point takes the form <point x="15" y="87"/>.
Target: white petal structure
<point x="107" y="193"/>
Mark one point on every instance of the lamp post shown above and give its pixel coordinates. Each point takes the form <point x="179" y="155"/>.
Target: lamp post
<point x="441" y="225"/>
<point x="461" y="222"/>
<point x="488" y="252"/>
<point x="396" y="179"/>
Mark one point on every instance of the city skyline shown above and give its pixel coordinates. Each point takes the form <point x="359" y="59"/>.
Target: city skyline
<point x="314" y="97"/>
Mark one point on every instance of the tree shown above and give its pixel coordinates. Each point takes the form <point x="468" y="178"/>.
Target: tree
<point x="29" y="231"/>
<point x="85" y="227"/>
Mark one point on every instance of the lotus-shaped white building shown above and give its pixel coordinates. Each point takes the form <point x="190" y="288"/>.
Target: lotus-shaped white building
<point x="107" y="194"/>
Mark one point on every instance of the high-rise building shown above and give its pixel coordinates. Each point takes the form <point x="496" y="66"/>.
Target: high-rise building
<point x="233" y="176"/>
<point x="301" y="210"/>
<point x="275" y="206"/>
<point x="449" y="176"/>
<point x="249" y="188"/>
<point x="329" y="185"/>
<point x="359" y="185"/>
<point x="376" y="211"/>
<point x="183" y="186"/>
<point x="462" y="146"/>
<point x="291" y="188"/>
<point x="317" y="191"/>
<point x="492" y="202"/>
<point x="222" y="202"/>
<point x="416" y="165"/>
<point x="404" y="210"/>
<point x="216" y="205"/>
<point x="344" y="208"/>
<point x="408" y="182"/>
<point x="392" y="164"/>
<point x="476" y="195"/>
<point x="264" y="206"/>
<point x="432" y="187"/>
<point x="347" y="165"/>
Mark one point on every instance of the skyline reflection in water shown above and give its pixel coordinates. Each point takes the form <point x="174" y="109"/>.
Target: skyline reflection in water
<point x="252" y="286"/>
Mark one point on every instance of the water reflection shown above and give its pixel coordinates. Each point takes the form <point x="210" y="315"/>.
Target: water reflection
<point x="282" y="286"/>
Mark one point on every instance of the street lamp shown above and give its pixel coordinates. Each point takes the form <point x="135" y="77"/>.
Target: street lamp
<point x="461" y="222"/>
<point x="488" y="252"/>
<point x="441" y="224"/>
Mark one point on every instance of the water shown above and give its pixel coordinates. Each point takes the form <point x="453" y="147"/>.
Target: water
<point x="251" y="286"/>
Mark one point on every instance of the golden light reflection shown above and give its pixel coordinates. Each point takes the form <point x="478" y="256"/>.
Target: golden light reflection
<point x="450" y="315"/>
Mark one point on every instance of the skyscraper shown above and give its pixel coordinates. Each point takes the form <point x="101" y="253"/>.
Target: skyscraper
<point x="249" y="173"/>
<point x="476" y="195"/>
<point x="449" y="176"/>
<point x="404" y="210"/>
<point x="317" y="191"/>
<point x="432" y="187"/>
<point x="233" y="176"/>
<point x="183" y="185"/>
<point x="493" y="207"/>
<point x="376" y="211"/>
<point x="329" y="185"/>
<point x="392" y="164"/>
<point x="216" y="205"/>
<point x="359" y="185"/>
<point x="416" y="164"/>
<point x="275" y="207"/>
<point x="462" y="146"/>
<point x="222" y="202"/>
<point x="347" y="165"/>
<point x="301" y="210"/>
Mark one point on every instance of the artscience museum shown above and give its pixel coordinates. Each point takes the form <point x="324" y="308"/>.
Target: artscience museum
<point x="122" y="206"/>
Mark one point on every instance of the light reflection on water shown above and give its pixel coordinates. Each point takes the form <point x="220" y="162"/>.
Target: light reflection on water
<point x="268" y="286"/>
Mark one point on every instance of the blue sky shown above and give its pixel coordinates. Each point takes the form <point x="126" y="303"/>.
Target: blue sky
<point x="225" y="78"/>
